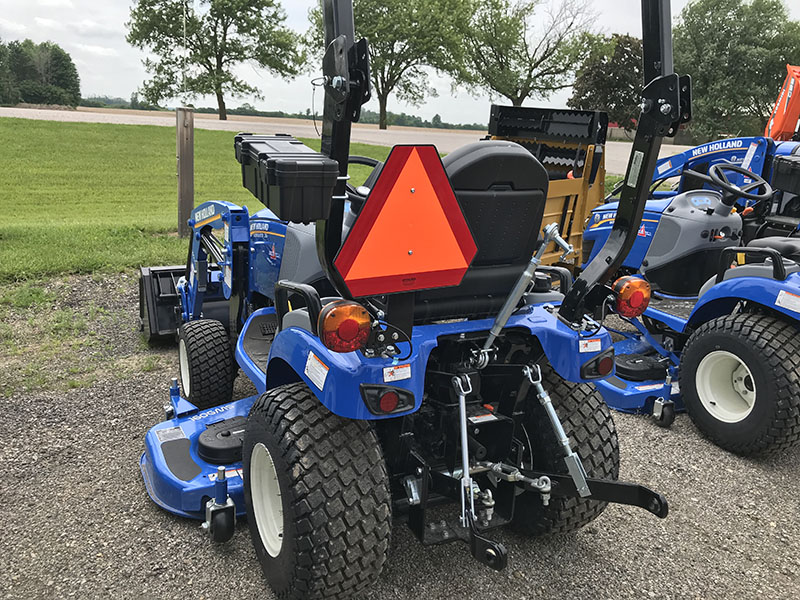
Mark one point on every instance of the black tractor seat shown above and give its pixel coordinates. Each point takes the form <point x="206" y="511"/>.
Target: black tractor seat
<point x="787" y="247"/>
<point x="502" y="191"/>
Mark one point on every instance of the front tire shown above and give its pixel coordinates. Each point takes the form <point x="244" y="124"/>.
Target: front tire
<point x="317" y="497"/>
<point x="593" y="436"/>
<point x="206" y="364"/>
<point x="740" y="383"/>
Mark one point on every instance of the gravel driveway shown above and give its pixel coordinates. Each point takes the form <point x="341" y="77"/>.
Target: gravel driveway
<point x="77" y="522"/>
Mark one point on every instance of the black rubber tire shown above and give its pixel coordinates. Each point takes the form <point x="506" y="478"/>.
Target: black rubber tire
<point x="770" y="348"/>
<point x="335" y="496"/>
<point x="222" y="526"/>
<point x="593" y="435"/>
<point x="210" y="363"/>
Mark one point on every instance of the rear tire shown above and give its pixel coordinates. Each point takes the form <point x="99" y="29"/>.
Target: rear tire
<point x="206" y="363"/>
<point x="593" y="436"/>
<point x="741" y="384"/>
<point x="317" y="497"/>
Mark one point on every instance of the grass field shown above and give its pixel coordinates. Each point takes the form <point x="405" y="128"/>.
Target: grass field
<point x="88" y="198"/>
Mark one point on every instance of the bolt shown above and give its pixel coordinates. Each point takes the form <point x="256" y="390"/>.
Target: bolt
<point x="413" y="190"/>
<point x="410" y="252"/>
<point x="476" y="431"/>
<point x="381" y="337"/>
<point x="338" y="82"/>
<point x="395" y="336"/>
<point x="419" y="471"/>
<point x="666" y="108"/>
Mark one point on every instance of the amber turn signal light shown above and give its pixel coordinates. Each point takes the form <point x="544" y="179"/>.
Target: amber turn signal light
<point x="344" y="326"/>
<point x="633" y="296"/>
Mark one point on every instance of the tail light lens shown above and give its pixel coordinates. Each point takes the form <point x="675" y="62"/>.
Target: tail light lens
<point x="344" y="326"/>
<point x="633" y="296"/>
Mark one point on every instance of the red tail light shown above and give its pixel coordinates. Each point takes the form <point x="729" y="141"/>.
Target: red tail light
<point x="633" y="296"/>
<point x="344" y="326"/>
<point x="389" y="402"/>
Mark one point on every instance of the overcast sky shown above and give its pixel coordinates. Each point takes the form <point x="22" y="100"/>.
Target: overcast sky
<point x="94" y="34"/>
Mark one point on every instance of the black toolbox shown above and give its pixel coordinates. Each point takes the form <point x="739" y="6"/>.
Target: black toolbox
<point x="786" y="174"/>
<point x="288" y="177"/>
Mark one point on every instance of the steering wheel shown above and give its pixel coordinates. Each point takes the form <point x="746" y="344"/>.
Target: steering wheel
<point x="717" y="174"/>
<point x="357" y="196"/>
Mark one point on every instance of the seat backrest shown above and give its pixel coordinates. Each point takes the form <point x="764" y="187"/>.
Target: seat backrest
<point x="502" y="190"/>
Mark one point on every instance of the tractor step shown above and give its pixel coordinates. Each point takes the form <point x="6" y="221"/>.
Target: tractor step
<point x="258" y="336"/>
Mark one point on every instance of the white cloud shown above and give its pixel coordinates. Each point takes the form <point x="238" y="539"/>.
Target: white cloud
<point x="48" y="23"/>
<point x="55" y="3"/>
<point x="11" y="26"/>
<point x="97" y="50"/>
<point x="90" y="28"/>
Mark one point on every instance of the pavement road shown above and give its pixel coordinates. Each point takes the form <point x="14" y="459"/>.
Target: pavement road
<point x="444" y="139"/>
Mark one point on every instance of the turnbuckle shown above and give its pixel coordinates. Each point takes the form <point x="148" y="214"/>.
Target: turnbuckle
<point x="572" y="460"/>
<point x="463" y="387"/>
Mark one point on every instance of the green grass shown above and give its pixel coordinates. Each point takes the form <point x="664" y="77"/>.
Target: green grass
<point x="82" y="198"/>
<point x="98" y="198"/>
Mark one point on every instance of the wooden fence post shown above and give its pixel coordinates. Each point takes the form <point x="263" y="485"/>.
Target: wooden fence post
<point x="185" y="132"/>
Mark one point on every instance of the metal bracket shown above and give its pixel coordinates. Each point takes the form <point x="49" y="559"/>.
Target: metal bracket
<point x="463" y="387"/>
<point x="572" y="460"/>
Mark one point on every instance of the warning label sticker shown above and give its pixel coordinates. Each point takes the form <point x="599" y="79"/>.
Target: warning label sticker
<point x="396" y="373"/>
<point x="488" y="417"/>
<point x="665" y="167"/>
<point x="788" y="301"/>
<point x="635" y="168"/>
<point x="650" y="388"/>
<point x="316" y="370"/>
<point x="593" y="345"/>
<point x="169" y="434"/>
<point x="751" y="153"/>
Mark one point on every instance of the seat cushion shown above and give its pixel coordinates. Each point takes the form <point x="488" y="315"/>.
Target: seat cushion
<point x="788" y="247"/>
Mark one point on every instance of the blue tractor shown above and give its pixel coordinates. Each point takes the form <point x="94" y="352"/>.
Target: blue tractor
<point x="720" y="248"/>
<point x="406" y="346"/>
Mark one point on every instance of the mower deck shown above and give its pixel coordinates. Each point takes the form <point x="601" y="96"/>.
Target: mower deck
<point x="182" y="455"/>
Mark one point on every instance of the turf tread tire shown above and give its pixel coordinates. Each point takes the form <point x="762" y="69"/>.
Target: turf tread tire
<point x="211" y="365"/>
<point x="592" y="433"/>
<point x="336" y="496"/>
<point x="776" y="342"/>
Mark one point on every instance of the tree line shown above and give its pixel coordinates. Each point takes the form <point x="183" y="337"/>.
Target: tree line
<point x="37" y="74"/>
<point x="514" y="50"/>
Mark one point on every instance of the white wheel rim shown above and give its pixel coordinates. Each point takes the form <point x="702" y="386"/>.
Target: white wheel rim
<point x="184" y="370"/>
<point x="725" y="386"/>
<point x="265" y="491"/>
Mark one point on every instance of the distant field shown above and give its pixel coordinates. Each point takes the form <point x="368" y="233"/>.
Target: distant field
<point x="81" y="198"/>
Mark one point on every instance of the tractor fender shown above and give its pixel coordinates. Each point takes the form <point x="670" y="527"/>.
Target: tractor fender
<point x="776" y="296"/>
<point x="336" y="378"/>
<point x="566" y="350"/>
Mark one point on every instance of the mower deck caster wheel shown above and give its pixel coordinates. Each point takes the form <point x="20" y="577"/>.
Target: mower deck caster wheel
<point x="664" y="414"/>
<point x="222" y="526"/>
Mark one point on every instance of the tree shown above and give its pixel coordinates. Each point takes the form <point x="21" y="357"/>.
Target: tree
<point x="736" y="53"/>
<point x="43" y="73"/>
<point x="514" y="52"/>
<point x="405" y="37"/>
<point x="219" y="36"/>
<point x="9" y="93"/>
<point x="611" y="79"/>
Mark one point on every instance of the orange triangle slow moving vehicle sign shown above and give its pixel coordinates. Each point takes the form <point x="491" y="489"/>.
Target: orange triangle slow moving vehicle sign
<point x="411" y="234"/>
